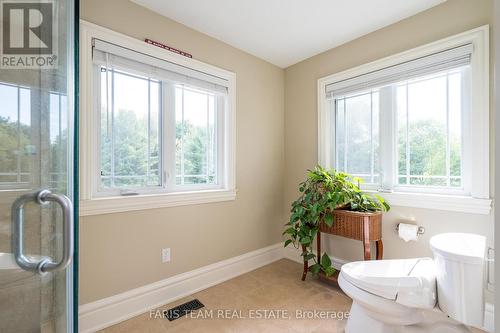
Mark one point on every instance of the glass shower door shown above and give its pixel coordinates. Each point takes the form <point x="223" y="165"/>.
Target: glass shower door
<point x="37" y="159"/>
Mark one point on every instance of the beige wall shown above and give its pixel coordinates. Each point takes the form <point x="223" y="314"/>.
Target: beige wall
<point x="119" y="252"/>
<point x="450" y="18"/>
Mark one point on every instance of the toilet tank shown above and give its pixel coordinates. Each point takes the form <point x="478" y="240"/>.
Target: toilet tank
<point x="459" y="260"/>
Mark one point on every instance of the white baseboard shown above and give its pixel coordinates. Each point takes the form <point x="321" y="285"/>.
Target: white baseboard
<point x="489" y="318"/>
<point x="293" y="253"/>
<point x="112" y="310"/>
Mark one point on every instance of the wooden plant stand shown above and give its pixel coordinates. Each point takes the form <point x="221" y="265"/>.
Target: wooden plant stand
<point x="364" y="227"/>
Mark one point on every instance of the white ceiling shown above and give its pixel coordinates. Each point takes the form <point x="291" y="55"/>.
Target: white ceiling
<point x="285" y="32"/>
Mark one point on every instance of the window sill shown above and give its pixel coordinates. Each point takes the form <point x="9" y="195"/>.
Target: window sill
<point x="452" y="203"/>
<point x="98" y="206"/>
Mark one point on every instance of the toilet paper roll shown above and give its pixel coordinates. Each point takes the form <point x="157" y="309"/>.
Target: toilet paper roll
<point x="408" y="232"/>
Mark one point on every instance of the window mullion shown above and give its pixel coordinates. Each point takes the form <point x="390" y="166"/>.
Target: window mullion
<point x="59" y="141"/>
<point x="97" y="130"/>
<point x="468" y="176"/>
<point x="18" y="156"/>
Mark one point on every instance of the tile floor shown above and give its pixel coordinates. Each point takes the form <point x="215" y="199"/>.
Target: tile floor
<point x="273" y="287"/>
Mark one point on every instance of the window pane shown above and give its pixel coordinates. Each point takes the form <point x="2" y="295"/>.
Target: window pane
<point x="429" y="130"/>
<point x="154" y="134"/>
<point x="455" y="128"/>
<point x="357" y="137"/>
<point x="58" y="140"/>
<point x="375" y="141"/>
<point x="130" y="139"/>
<point x="106" y="131"/>
<point x="340" y="136"/>
<point x="10" y="146"/>
<point x="196" y="141"/>
<point x="28" y="149"/>
<point x="55" y="116"/>
<point x="403" y="152"/>
<point x="427" y="127"/>
<point x="16" y="150"/>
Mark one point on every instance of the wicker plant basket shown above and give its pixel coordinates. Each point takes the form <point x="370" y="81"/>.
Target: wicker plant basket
<point x="351" y="225"/>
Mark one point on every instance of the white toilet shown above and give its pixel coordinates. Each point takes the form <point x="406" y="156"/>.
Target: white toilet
<point x="440" y="295"/>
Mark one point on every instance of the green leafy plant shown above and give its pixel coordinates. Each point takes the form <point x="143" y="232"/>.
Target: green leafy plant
<point x="321" y="193"/>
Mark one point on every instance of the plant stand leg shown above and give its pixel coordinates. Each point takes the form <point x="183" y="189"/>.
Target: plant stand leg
<point x="366" y="239"/>
<point x="380" y="249"/>
<point x="367" y="250"/>
<point x="306" y="265"/>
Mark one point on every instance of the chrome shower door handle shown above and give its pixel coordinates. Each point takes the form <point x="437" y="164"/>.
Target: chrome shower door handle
<point x="46" y="264"/>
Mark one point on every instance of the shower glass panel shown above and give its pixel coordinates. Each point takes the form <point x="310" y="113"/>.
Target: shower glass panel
<point x="37" y="165"/>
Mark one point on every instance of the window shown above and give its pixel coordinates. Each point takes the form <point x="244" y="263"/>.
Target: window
<point x="163" y="125"/>
<point x="414" y="123"/>
<point x="130" y="131"/>
<point x="429" y="129"/>
<point x="58" y="131"/>
<point x="427" y="111"/>
<point x="15" y="135"/>
<point x="356" y="135"/>
<point x="20" y="142"/>
<point x="196" y="139"/>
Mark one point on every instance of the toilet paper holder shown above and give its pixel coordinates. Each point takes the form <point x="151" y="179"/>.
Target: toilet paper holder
<point x="420" y="231"/>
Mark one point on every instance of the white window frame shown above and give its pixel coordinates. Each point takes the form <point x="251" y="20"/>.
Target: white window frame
<point x="92" y="204"/>
<point x="479" y="199"/>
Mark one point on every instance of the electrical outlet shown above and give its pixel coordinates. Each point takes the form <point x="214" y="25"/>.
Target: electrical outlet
<point x="165" y="255"/>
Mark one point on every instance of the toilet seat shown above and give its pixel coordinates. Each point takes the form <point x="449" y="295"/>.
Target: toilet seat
<point x="379" y="307"/>
<point x="410" y="282"/>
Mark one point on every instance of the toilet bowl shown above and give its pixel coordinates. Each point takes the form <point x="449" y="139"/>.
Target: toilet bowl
<point x="444" y="294"/>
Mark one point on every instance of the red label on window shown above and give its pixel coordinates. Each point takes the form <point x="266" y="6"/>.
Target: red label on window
<point x="166" y="47"/>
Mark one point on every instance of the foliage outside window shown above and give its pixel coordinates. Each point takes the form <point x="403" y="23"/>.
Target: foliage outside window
<point x="15" y="137"/>
<point x="196" y="137"/>
<point x="20" y="150"/>
<point x="130" y="130"/>
<point x="157" y="134"/>
<point x="426" y="142"/>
